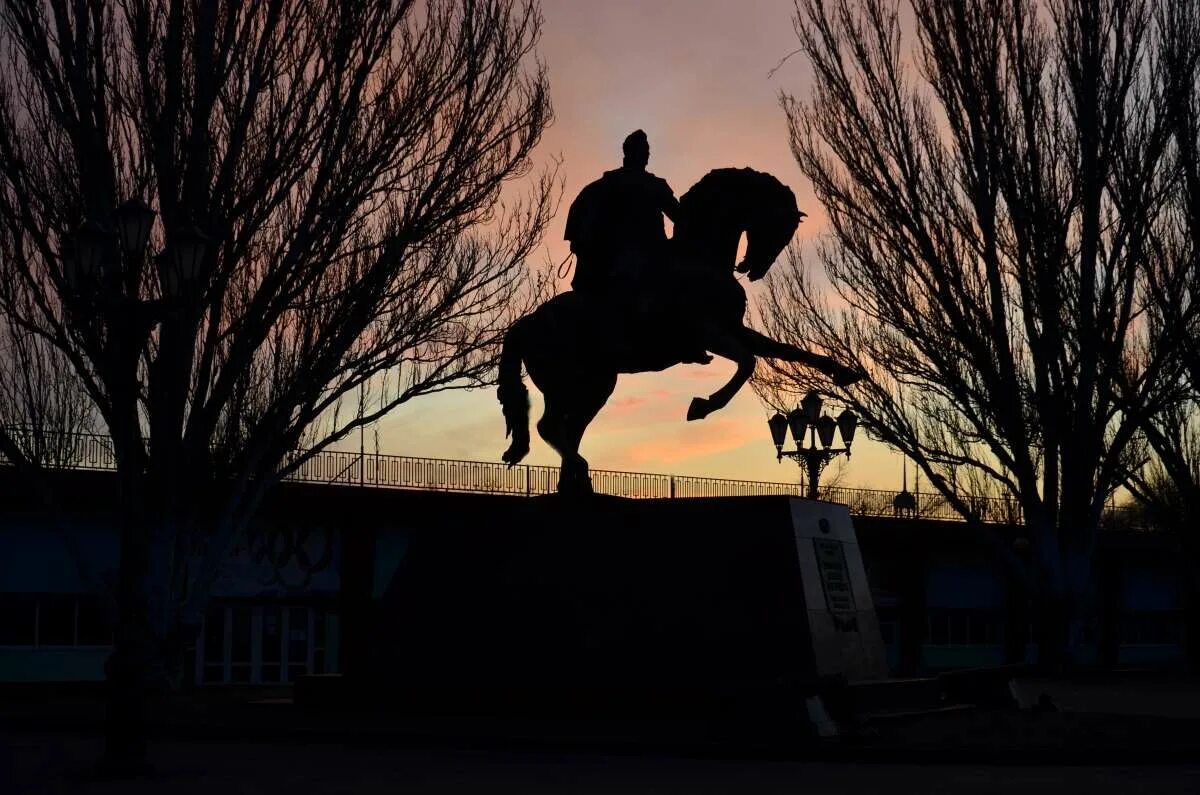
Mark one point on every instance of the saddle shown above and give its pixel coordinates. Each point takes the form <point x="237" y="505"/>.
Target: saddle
<point x="647" y="322"/>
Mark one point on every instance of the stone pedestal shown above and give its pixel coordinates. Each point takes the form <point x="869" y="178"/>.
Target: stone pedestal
<point x="611" y="607"/>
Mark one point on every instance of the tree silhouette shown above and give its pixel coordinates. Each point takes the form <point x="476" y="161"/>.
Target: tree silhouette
<point x="1170" y="488"/>
<point x="44" y="410"/>
<point x="328" y="177"/>
<point x="1168" y="497"/>
<point x="995" y="195"/>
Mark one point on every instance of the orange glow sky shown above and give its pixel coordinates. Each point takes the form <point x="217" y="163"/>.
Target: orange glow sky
<point x="694" y="75"/>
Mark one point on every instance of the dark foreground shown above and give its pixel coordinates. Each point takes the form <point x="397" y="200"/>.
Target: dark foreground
<point x="1114" y="735"/>
<point x="59" y="763"/>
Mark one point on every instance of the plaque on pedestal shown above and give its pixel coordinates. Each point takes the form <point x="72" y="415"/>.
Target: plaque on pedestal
<point x="842" y="625"/>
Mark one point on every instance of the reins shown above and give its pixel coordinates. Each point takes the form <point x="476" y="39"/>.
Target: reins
<point x="562" y="273"/>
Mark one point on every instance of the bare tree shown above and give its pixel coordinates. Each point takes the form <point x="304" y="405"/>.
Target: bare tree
<point x="47" y="423"/>
<point x="1169" y="489"/>
<point x="45" y="414"/>
<point x="328" y="177"/>
<point x="1168" y="501"/>
<point x="994" y="195"/>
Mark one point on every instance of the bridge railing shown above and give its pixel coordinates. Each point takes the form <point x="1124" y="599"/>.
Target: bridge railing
<point x="339" y="467"/>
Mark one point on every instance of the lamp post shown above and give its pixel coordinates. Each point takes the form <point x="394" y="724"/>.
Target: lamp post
<point x="103" y="266"/>
<point x="821" y="427"/>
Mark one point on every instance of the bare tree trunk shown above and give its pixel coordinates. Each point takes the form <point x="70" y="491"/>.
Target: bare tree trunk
<point x="913" y="611"/>
<point x="1051" y="601"/>
<point x="128" y="667"/>
<point x="1109" y="611"/>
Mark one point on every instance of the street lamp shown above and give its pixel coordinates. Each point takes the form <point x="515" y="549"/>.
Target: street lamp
<point x="89" y="256"/>
<point x="904" y="504"/>
<point x="188" y="246"/>
<point x="90" y="242"/>
<point x="134" y="220"/>
<point x="73" y="275"/>
<point x="821" y="427"/>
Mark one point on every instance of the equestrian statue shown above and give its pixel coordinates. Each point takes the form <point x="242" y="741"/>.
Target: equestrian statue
<point x="641" y="302"/>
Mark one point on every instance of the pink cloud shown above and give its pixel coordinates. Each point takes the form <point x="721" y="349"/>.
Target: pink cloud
<point x="691" y="441"/>
<point x="632" y="401"/>
<point x="701" y="373"/>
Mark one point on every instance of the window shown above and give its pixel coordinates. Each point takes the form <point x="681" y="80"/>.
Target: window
<point x="885" y="583"/>
<point x="18" y="619"/>
<point x="53" y="620"/>
<point x="267" y="644"/>
<point x="272" y="649"/>
<point x="92" y="624"/>
<point x="983" y="630"/>
<point x="1152" y="628"/>
<point x="56" y="620"/>
<point x="241" y="642"/>
<point x="319" y="642"/>
<point x="939" y="628"/>
<point x="214" y="646"/>
<point x="963" y="627"/>
<point x="297" y="643"/>
<point x="888" y="622"/>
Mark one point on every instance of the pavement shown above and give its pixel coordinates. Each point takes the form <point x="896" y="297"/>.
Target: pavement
<point x="1155" y="696"/>
<point x="965" y="735"/>
<point x="39" y="763"/>
<point x="1089" y="735"/>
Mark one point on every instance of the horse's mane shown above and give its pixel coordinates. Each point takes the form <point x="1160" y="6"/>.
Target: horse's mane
<point x="731" y="187"/>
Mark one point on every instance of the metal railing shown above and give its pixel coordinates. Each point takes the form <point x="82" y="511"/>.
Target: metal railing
<point x="376" y="470"/>
<point x="57" y="450"/>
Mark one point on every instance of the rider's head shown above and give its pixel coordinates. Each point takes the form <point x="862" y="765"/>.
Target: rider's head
<point x="636" y="149"/>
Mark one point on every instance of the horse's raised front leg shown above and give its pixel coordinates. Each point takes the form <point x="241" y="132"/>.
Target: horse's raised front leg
<point x="762" y="345"/>
<point x="730" y="347"/>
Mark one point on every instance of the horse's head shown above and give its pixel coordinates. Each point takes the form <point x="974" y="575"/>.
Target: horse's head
<point x="729" y="201"/>
<point x="771" y="219"/>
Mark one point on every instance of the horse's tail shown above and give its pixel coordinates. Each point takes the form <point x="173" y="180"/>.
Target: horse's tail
<point x="514" y="397"/>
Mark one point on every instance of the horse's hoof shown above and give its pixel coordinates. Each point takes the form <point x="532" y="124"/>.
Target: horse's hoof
<point x="514" y="454"/>
<point x="698" y="409"/>
<point x="575" y="488"/>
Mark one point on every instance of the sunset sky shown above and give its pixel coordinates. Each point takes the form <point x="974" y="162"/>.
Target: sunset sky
<point x="694" y="75"/>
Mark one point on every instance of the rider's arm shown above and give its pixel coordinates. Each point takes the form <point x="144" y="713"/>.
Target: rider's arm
<point x="669" y="204"/>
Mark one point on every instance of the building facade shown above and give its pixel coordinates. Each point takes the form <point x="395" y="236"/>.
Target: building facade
<point x="296" y="598"/>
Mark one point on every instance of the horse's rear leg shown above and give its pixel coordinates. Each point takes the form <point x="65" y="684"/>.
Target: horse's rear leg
<point x="587" y="401"/>
<point x="552" y="428"/>
<point x="761" y="345"/>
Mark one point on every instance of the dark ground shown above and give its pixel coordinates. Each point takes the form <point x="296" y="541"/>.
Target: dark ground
<point x="58" y="763"/>
<point x="1115" y="737"/>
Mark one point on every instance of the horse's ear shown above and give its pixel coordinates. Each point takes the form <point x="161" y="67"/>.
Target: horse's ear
<point x="800" y="216"/>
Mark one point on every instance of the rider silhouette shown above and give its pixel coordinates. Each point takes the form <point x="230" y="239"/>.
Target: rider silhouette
<point x="615" y="227"/>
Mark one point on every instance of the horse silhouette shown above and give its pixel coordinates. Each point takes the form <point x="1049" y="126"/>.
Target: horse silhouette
<point x="575" y="345"/>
